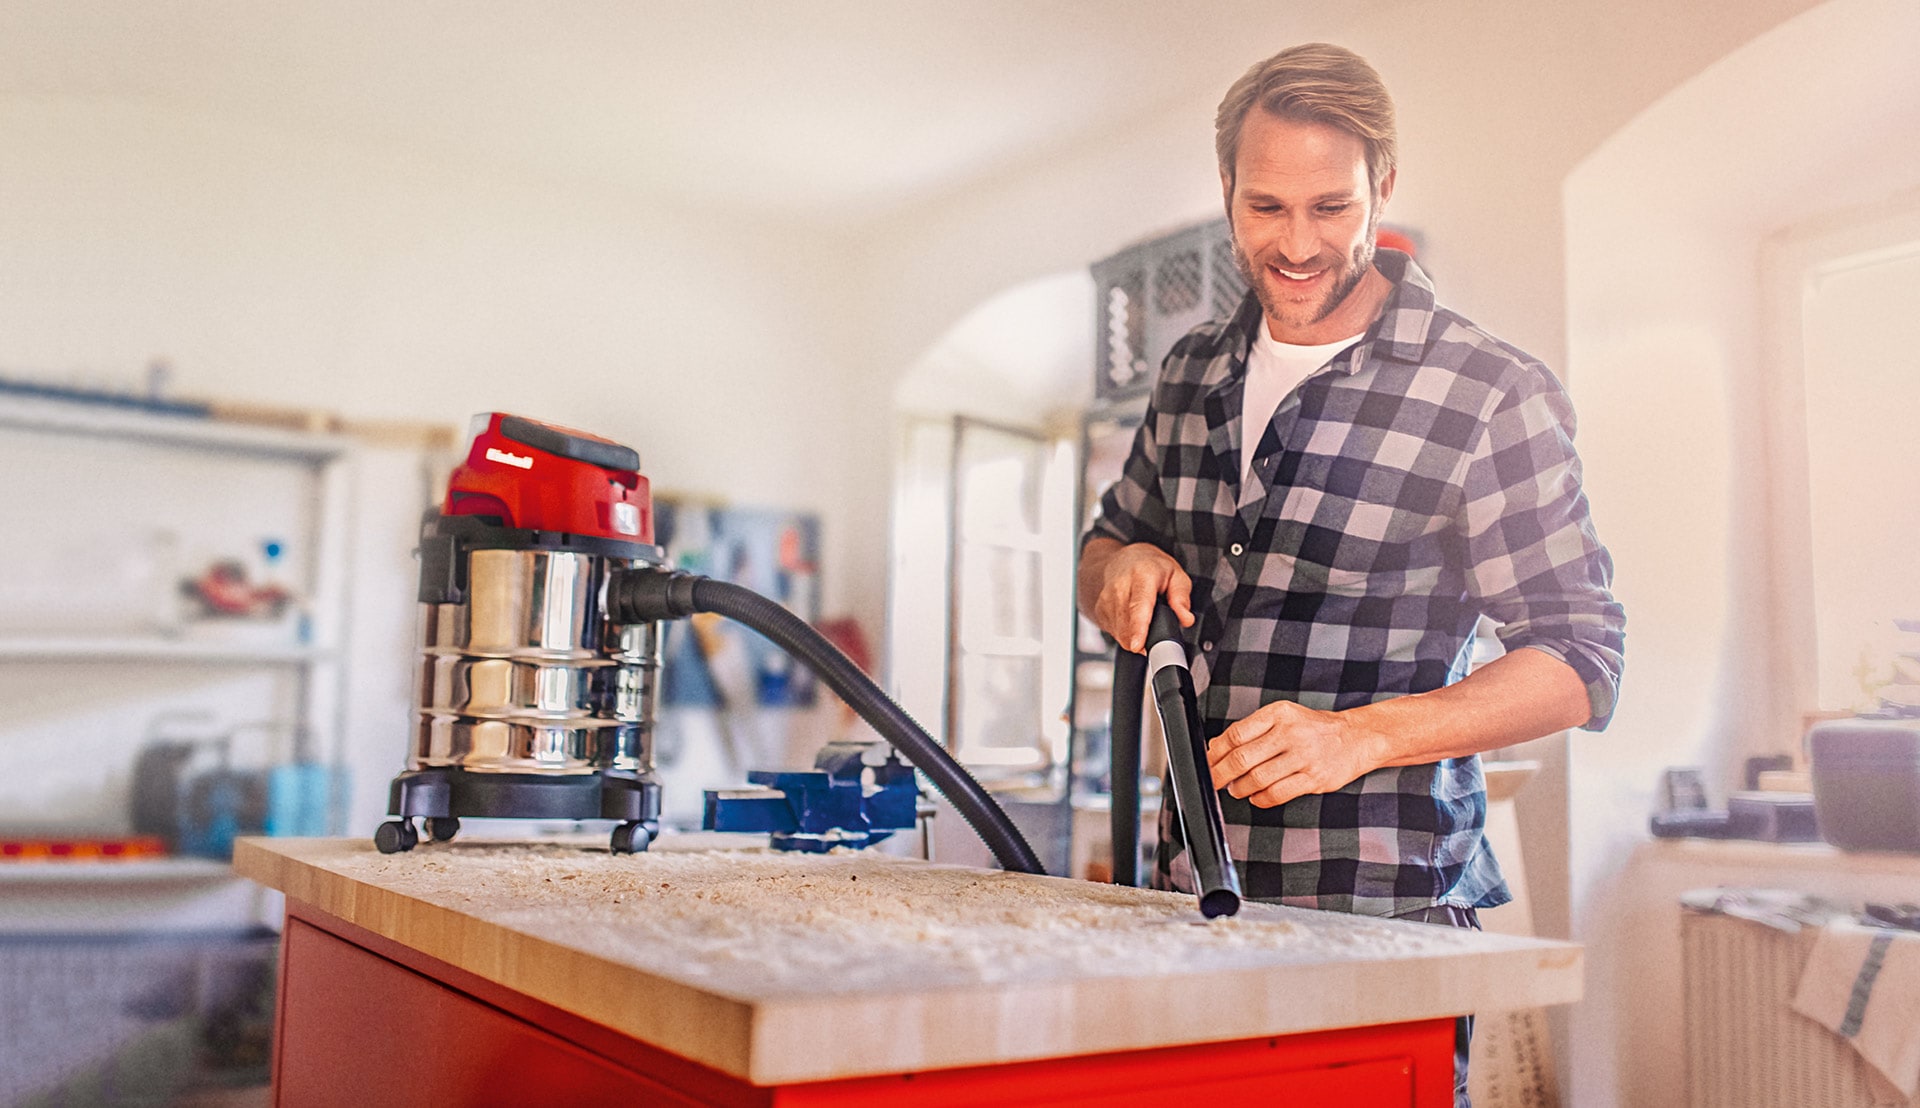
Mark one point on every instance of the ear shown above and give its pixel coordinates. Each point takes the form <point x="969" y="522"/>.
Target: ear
<point x="1226" y="191"/>
<point x="1386" y="186"/>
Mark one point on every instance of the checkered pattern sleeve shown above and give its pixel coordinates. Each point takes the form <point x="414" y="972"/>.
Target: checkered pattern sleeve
<point x="1133" y="509"/>
<point x="1535" y="562"/>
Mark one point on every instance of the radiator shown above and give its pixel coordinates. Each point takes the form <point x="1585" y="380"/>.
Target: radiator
<point x="1746" y="1046"/>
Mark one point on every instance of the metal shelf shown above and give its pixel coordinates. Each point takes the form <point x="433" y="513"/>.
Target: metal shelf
<point x="62" y="649"/>
<point x="137" y="871"/>
<point x="65" y="417"/>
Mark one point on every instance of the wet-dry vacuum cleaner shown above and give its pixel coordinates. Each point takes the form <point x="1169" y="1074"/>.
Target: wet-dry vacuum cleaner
<point x="542" y="599"/>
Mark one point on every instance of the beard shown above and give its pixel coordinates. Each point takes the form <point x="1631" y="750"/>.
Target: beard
<point x="1344" y="276"/>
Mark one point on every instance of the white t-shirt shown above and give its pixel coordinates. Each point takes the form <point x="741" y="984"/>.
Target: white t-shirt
<point x="1275" y="369"/>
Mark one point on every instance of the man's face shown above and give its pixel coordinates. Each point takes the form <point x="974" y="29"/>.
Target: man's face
<point x="1303" y="219"/>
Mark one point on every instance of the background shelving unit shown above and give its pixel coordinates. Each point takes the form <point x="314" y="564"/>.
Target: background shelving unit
<point x="105" y="511"/>
<point x="54" y="649"/>
<point x="110" y="509"/>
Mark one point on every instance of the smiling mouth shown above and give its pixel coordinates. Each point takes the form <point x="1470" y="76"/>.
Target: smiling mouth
<point x="1295" y="276"/>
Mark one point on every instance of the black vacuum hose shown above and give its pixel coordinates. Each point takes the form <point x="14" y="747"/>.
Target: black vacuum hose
<point x="638" y="596"/>
<point x="1123" y="742"/>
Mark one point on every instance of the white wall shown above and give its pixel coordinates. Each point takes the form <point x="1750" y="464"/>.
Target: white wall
<point x="304" y="270"/>
<point x="1665" y="227"/>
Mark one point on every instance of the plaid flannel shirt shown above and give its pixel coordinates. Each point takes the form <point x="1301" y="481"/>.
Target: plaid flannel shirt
<point x="1424" y="477"/>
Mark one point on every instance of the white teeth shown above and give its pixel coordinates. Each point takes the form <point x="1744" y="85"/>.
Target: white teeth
<point x="1288" y="273"/>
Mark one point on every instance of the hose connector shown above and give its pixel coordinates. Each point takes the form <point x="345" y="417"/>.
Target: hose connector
<point x="644" y="595"/>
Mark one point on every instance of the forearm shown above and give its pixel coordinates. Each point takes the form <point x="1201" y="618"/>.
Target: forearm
<point x="1519" y="696"/>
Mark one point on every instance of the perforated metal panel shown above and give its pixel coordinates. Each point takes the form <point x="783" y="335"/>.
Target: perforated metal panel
<point x="1227" y="287"/>
<point x="1152" y="293"/>
<point x="1176" y="282"/>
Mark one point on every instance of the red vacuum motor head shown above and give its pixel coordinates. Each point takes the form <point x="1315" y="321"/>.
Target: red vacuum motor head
<point x="542" y="477"/>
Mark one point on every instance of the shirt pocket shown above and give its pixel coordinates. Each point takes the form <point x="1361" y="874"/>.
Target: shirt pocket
<point x="1289" y="573"/>
<point x="1341" y="521"/>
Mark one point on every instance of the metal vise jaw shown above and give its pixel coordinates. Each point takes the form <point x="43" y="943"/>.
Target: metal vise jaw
<point x="830" y="805"/>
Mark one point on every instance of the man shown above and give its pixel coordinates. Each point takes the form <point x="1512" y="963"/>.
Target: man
<point x="1330" y="488"/>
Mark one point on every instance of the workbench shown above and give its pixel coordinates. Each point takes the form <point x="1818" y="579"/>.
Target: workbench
<point x="465" y="973"/>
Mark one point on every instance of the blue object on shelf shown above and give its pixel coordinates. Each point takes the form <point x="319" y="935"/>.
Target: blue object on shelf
<point x="828" y="806"/>
<point x="218" y="805"/>
<point x="300" y="798"/>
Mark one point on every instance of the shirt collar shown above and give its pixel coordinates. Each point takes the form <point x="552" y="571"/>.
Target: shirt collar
<point x="1406" y="325"/>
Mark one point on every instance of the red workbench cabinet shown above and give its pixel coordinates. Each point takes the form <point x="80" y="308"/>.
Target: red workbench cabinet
<point x="366" y="1022"/>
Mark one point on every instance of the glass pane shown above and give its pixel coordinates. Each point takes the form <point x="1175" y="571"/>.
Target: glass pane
<point x="999" y="722"/>
<point x="998" y="605"/>
<point x="999" y="598"/>
<point x="917" y="591"/>
<point x="1863" y="469"/>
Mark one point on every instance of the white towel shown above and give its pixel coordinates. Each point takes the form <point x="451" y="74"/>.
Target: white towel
<point x="1863" y="984"/>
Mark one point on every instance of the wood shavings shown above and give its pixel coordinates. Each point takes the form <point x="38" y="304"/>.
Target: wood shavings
<point x="763" y="923"/>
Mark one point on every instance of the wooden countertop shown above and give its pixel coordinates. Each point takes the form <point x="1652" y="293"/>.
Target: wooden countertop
<point x="780" y="967"/>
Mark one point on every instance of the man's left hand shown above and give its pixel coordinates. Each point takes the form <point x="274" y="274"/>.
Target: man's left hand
<point x="1284" y="750"/>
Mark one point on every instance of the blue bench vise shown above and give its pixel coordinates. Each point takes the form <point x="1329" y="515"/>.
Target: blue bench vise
<point x="830" y="805"/>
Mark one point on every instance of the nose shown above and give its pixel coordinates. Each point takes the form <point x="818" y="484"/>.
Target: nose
<point x="1296" y="240"/>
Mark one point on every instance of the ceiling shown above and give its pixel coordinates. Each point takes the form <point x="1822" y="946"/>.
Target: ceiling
<point x="828" y="110"/>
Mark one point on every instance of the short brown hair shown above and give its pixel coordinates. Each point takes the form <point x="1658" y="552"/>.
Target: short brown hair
<point x="1315" y="83"/>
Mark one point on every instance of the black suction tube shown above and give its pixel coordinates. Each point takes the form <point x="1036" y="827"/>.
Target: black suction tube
<point x="644" y="595"/>
<point x="1196" y="801"/>
<point x="1123" y="739"/>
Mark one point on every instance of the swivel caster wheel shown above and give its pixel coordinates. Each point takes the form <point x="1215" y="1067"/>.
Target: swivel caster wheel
<point x="442" y="829"/>
<point x="631" y="837"/>
<point x="396" y="836"/>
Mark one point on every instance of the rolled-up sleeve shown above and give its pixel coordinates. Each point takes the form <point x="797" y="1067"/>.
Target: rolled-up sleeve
<point x="1535" y="562"/>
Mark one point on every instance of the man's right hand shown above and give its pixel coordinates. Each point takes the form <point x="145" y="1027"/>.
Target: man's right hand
<point x="1119" y="584"/>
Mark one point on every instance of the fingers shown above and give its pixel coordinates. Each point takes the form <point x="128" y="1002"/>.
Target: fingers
<point x="1133" y="629"/>
<point x="1223" y="746"/>
<point x="1230" y="764"/>
<point x="1287" y="788"/>
<point x="1267" y="758"/>
<point x="1128" y="613"/>
<point x="1277" y="780"/>
<point x="1285" y="771"/>
<point x="1246" y="772"/>
<point x="1230" y="742"/>
<point x="1180" y="596"/>
<point x="1139" y="574"/>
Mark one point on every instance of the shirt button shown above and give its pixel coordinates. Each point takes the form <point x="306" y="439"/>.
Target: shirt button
<point x="1207" y="647"/>
<point x="1236" y="550"/>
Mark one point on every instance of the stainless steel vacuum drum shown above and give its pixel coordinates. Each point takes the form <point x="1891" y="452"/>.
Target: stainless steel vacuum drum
<point x="526" y="677"/>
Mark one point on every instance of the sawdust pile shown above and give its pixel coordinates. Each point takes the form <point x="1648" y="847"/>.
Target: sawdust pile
<point x="765" y="923"/>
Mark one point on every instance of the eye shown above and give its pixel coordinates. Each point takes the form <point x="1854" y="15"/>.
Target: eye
<point x="1334" y="209"/>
